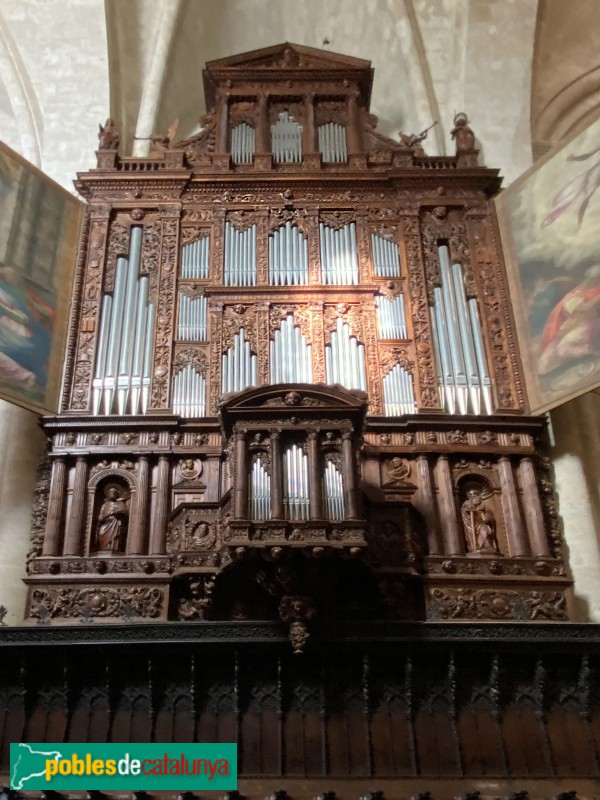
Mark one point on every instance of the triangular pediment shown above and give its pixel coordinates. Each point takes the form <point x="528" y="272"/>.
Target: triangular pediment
<point x="288" y="56"/>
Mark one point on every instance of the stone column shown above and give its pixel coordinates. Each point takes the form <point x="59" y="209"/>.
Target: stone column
<point x="533" y="510"/>
<point x="158" y="531"/>
<point x="240" y="498"/>
<point x="453" y="539"/>
<point x="75" y="519"/>
<point x="314" y="476"/>
<point x="56" y="501"/>
<point x="276" y="476"/>
<point x="428" y="506"/>
<point x="136" y="543"/>
<point x="517" y="538"/>
<point x="350" y="500"/>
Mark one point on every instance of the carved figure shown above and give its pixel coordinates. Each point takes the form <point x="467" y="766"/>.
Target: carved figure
<point x="112" y="520"/>
<point x="462" y="134"/>
<point x="108" y="136"/>
<point x="397" y="469"/>
<point x="480" y="524"/>
<point x="189" y="469"/>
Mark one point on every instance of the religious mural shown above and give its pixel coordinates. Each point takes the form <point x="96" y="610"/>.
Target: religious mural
<point x="39" y="225"/>
<point x="549" y="221"/>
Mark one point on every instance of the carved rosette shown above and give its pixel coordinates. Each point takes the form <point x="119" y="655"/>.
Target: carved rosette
<point x="426" y="388"/>
<point x="165" y="315"/>
<point x="88" y="300"/>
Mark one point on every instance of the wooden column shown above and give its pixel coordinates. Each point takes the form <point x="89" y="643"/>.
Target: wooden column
<point x="349" y="476"/>
<point x="533" y="510"/>
<point x="309" y="144"/>
<point x="517" y="539"/>
<point x="51" y="545"/>
<point x="263" y="140"/>
<point x="427" y="506"/>
<point x="276" y="476"/>
<point x="135" y="544"/>
<point x="240" y="499"/>
<point x="352" y="129"/>
<point x="453" y="539"/>
<point x="75" y="519"/>
<point x="223" y="123"/>
<point x="158" y="531"/>
<point x="314" y="476"/>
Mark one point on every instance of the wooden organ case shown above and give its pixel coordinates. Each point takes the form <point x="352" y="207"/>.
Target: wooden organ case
<point x="292" y="389"/>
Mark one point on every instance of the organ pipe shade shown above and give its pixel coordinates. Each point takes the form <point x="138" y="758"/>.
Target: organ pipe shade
<point x="345" y="359"/>
<point x="191" y="323"/>
<point x="295" y="483"/>
<point x="386" y="261"/>
<point x="259" y="491"/>
<point x="398" y="393"/>
<point x="288" y="257"/>
<point x="333" y="492"/>
<point x="189" y="393"/>
<point x="238" y="365"/>
<point x="290" y="354"/>
<point x="240" y="256"/>
<point x="195" y="258"/>
<point x="332" y="143"/>
<point x="121" y="383"/>
<point x="391" y="318"/>
<point x="463" y="378"/>
<point x="242" y="143"/>
<point x="286" y="139"/>
<point x="339" y="259"/>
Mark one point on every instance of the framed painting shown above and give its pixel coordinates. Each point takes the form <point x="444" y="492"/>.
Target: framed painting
<point x="550" y="229"/>
<point x="39" y="232"/>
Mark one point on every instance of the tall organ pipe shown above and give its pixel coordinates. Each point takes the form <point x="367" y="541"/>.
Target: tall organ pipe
<point x="386" y="261"/>
<point x="339" y="258"/>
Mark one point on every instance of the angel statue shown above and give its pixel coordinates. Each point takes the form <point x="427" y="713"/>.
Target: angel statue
<point x="479" y="523"/>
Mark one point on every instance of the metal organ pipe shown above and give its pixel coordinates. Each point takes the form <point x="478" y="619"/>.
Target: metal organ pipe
<point x="238" y="365"/>
<point x="399" y="392"/>
<point x="458" y="344"/>
<point x="259" y="491"/>
<point x="240" y="256"/>
<point x="345" y="359"/>
<point x="334" y="492"/>
<point x="386" y="260"/>
<point x="195" y="258"/>
<point x="189" y="392"/>
<point x="339" y="257"/>
<point x="391" y="318"/>
<point x="192" y="318"/>
<point x="288" y="257"/>
<point x="286" y="139"/>
<point x="332" y="143"/>
<point x="290" y="354"/>
<point x="295" y="483"/>
<point x="126" y="331"/>
<point x="242" y="143"/>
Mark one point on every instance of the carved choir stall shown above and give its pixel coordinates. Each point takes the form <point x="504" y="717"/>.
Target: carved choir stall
<point x="292" y="393"/>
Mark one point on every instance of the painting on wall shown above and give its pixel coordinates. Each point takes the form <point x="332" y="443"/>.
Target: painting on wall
<point x="39" y="230"/>
<point x="550" y="229"/>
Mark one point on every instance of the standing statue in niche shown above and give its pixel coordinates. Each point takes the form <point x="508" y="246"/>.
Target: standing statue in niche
<point x="480" y="524"/>
<point x="111" y="530"/>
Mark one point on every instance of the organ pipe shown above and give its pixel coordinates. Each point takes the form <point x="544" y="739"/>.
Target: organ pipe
<point x="295" y="483"/>
<point x="288" y="257"/>
<point x="189" y="392"/>
<point x="290" y="354"/>
<point x="463" y="376"/>
<point x="240" y="256"/>
<point x="345" y="359"/>
<point x="339" y="258"/>
<point x="259" y="491"/>
<point x="391" y="318"/>
<point x="192" y="318"/>
<point x="239" y="367"/>
<point x="286" y="139"/>
<point x="122" y="373"/>
<point x="398" y="392"/>
<point x="195" y="258"/>
<point x="332" y="143"/>
<point x="243" y="143"/>
<point x="333" y="491"/>
<point x="386" y="261"/>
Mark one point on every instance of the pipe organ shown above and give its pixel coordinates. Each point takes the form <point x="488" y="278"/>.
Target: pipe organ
<point x="339" y="259"/>
<point x="291" y="345"/>
<point x="288" y="256"/>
